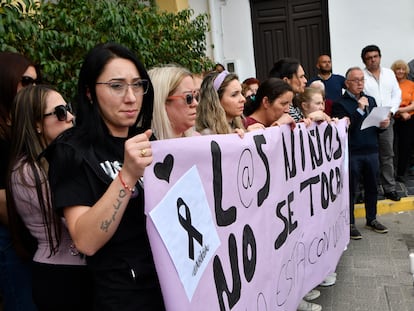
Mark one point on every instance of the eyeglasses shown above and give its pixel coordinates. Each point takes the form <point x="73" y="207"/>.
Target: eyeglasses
<point x="120" y="88"/>
<point x="187" y="97"/>
<point x="357" y="80"/>
<point x="61" y="112"/>
<point x="26" y="81"/>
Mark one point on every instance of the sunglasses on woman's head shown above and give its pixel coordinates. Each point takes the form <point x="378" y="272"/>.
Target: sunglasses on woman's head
<point x="187" y="97"/>
<point x="26" y="81"/>
<point x="61" y="112"/>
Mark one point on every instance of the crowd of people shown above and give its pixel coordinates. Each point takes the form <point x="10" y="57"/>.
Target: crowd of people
<point x="72" y="222"/>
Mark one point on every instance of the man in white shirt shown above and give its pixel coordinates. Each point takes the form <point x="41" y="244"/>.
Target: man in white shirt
<point x="381" y="84"/>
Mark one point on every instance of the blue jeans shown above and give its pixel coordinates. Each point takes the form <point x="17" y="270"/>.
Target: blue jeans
<point x="15" y="277"/>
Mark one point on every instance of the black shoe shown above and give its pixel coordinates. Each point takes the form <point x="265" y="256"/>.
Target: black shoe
<point x="354" y="233"/>
<point x="377" y="226"/>
<point x="393" y="195"/>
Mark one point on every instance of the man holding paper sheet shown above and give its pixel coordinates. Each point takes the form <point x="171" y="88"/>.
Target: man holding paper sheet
<point x="381" y="84"/>
<point x="363" y="148"/>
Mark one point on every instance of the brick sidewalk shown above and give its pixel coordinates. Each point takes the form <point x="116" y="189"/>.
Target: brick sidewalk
<point x="373" y="274"/>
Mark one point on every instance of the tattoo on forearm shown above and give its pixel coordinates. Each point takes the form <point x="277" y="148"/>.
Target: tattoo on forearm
<point x="117" y="205"/>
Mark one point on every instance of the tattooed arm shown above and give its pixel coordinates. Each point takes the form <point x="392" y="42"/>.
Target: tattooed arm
<point x="92" y="227"/>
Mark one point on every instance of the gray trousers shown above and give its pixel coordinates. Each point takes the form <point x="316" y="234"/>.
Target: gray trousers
<point x="386" y="158"/>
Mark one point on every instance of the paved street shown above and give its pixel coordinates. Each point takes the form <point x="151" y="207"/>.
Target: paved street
<point x="374" y="273"/>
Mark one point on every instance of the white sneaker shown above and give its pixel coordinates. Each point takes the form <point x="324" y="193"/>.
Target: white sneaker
<point x="329" y="280"/>
<point x="313" y="294"/>
<point x="308" y="306"/>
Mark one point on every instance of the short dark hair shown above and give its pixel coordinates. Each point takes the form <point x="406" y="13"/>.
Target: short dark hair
<point x="284" y="68"/>
<point x="219" y="65"/>
<point x="369" y="48"/>
<point x="250" y="81"/>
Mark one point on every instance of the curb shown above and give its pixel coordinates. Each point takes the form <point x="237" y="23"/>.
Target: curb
<point x="387" y="206"/>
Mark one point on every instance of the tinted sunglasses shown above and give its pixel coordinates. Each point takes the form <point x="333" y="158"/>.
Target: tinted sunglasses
<point x="26" y="81"/>
<point x="61" y="112"/>
<point x="187" y="97"/>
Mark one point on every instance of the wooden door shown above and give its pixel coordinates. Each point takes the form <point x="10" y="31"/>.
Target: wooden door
<point x="289" y="28"/>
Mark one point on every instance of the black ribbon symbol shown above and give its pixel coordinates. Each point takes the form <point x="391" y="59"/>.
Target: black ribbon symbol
<point x="186" y="223"/>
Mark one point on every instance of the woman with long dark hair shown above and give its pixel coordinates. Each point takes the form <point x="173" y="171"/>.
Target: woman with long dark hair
<point x="95" y="175"/>
<point x="38" y="115"/>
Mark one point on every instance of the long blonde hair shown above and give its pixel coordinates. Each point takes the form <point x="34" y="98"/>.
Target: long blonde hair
<point x="210" y="113"/>
<point x="165" y="80"/>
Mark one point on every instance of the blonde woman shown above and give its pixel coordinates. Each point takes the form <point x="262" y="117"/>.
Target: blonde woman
<point x="404" y="121"/>
<point x="175" y="102"/>
<point x="312" y="105"/>
<point x="221" y="105"/>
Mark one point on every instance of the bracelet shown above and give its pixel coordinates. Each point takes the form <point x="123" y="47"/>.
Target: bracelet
<point x="125" y="185"/>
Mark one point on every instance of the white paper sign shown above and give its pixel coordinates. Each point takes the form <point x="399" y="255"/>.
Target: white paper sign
<point x="184" y="215"/>
<point x="375" y="117"/>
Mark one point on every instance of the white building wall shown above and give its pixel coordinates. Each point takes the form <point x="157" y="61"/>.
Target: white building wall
<point x="232" y="33"/>
<point x="353" y="25"/>
<point x="238" y="37"/>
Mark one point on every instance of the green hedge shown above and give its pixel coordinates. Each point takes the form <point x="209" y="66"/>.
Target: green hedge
<point x="57" y="35"/>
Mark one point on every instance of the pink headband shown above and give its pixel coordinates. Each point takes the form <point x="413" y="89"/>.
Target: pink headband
<point x="219" y="79"/>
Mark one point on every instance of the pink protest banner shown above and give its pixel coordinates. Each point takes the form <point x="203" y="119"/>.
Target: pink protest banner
<point x="249" y="223"/>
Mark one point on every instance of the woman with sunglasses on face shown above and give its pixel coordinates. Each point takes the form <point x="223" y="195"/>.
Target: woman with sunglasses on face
<point x="221" y="105"/>
<point x="15" y="280"/>
<point x="95" y="176"/>
<point x="175" y="102"/>
<point x="39" y="114"/>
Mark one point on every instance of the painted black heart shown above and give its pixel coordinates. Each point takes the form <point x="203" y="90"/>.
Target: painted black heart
<point x="163" y="169"/>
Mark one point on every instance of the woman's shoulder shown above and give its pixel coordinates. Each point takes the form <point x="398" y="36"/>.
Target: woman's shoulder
<point x="408" y="83"/>
<point x="247" y="121"/>
<point x="23" y="173"/>
<point x="72" y="138"/>
<point x="71" y="146"/>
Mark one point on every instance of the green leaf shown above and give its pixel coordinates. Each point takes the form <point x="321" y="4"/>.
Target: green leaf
<point x="58" y="34"/>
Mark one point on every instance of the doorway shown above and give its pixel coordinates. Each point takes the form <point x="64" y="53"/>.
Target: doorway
<point x="289" y="28"/>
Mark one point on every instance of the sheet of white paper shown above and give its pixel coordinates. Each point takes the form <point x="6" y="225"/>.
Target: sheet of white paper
<point x="184" y="221"/>
<point x="374" y="118"/>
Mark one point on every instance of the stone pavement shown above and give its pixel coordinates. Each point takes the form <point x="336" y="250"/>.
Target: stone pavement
<point x="373" y="274"/>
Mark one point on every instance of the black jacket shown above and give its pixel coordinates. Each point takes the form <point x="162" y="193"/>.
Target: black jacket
<point x="360" y="141"/>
